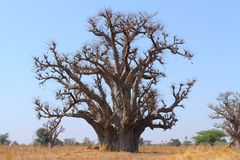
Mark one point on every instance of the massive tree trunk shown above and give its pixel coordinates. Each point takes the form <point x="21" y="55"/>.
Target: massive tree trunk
<point x="235" y="142"/>
<point x="121" y="140"/>
<point x="123" y="136"/>
<point x="129" y="140"/>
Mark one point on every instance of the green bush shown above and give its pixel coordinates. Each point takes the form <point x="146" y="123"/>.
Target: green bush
<point x="210" y="137"/>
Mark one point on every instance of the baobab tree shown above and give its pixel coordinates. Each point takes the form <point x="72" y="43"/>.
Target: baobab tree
<point x="228" y="111"/>
<point x="111" y="82"/>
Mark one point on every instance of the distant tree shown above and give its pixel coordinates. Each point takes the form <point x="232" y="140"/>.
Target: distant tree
<point x="4" y="139"/>
<point x="42" y="137"/>
<point x="70" y="141"/>
<point x="186" y="142"/>
<point x="111" y="83"/>
<point x="141" y="141"/>
<point x="210" y="137"/>
<point x="48" y="135"/>
<point x="87" y="142"/>
<point x="228" y="110"/>
<point x="174" y="142"/>
<point x="14" y="143"/>
<point x="144" y="142"/>
<point x="54" y="129"/>
<point x="147" y="142"/>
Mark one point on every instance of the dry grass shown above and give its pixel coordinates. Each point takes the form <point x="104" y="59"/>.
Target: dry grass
<point x="145" y="153"/>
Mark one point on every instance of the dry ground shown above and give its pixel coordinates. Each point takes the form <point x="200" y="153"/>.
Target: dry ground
<point x="145" y="153"/>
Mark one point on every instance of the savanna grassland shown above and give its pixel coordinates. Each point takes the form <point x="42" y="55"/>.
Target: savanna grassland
<point x="145" y="153"/>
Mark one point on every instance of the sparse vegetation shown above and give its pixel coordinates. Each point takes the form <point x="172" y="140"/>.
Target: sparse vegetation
<point x="70" y="142"/>
<point x="14" y="143"/>
<point x="174" y="142"/>
<point x="87" y="142"/>
<point x="187" y="142"/>
<point x="201" y="152"/>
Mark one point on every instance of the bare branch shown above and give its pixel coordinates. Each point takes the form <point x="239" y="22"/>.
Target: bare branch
<point x="228" y="110"/>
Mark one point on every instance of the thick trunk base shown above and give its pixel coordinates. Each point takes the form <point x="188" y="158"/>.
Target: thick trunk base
<point x="113" y="141"/>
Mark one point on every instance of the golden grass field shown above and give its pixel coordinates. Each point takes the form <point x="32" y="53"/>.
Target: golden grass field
<point x="145" y="153"/>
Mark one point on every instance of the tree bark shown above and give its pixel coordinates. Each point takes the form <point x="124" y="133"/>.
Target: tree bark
<point x="129" y="141"/>
<point x="109" y="140"/>
<point x="236" y="142"/>
<point x="122" y="141"/>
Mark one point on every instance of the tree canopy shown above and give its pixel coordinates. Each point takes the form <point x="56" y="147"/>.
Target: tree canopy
<point x="42" y="137"/>
<point x="210" y="137"/>
<point x="4" y="139"/>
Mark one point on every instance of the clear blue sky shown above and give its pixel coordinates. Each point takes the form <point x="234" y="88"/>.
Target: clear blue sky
<point x="211" y="30"/>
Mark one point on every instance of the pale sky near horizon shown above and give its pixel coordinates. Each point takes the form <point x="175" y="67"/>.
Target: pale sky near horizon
<point x="211" y="30"/>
